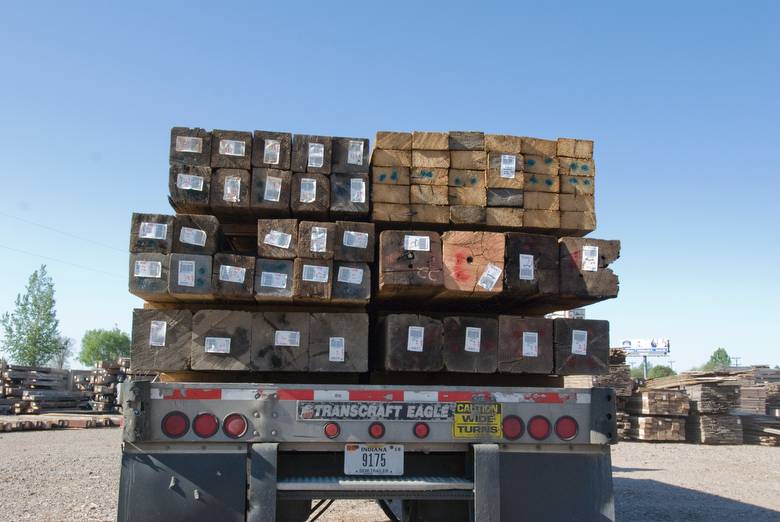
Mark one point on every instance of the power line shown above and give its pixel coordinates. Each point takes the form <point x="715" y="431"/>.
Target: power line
<point x="98" y="271"/>
<point x="63" y="232"/>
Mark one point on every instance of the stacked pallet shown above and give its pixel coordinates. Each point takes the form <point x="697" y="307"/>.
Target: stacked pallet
<point x="482" y="180"/>
<point x="657" y="416"/>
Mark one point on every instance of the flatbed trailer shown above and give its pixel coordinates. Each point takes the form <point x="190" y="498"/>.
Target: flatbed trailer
<point x="265" y="452"/>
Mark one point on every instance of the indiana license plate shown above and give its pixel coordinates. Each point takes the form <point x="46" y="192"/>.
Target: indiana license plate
<point x="373" y="459"/>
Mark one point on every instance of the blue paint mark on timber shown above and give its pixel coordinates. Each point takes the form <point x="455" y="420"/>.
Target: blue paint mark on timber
<point x="382" y="177"/>
<point x="573" y="181"/>
<point x="473" y="180"/>
<point x="530" y="162"/>
<point x="586" y="182"/>
<point x="394" y="175"/>
<point x="547" y="161"/>
<point x="426" y="173"/>
<point x="548" y="182"/>
<point x="584" y="168"/>
<point x="534" y="180"/>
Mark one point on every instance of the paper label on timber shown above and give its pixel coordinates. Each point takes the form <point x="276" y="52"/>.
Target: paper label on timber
<point x="353" y="276"/>
<point x="232" y="274"/>
<point x="192" y="236"/>
<point x="232" y="189"/>
<point x="579" y="342"/>
<point x="273" y="280"/>
<point x="355" y="152"/>
<point x="530" y="344"/>
<point x="189" y="144"/>
<point x="217" y="344"/>
<point x="508" y="165"/>
<point x="357" y="190"/>
<point x="354" y="239"/>
<point x="489" y="277"/>
<point x="414" y="338"/>
<point x="473" y="339"/>
<point x="590" y="258"/>
<point x="419" y="243"/>
<point x="308" y="190"/>
<point x="232" y="147"/>
<point x="273" y="189"/>
<point x="152" y="230"/>
<point x="278" y="238"/>
<point x="147" y="269"/>
<point x="526" y="267"/>
<point x="316" y="155"/>
<point x="157" y="332"/>
<point x="319" y="239"/>
<point x="287" y="338"/>
<point x="271" y="152"/>
<point x="315" y="273"/>
<point x="189" y="182"/>
<point x="186" y="273"/>
<point x="336" y="349"/>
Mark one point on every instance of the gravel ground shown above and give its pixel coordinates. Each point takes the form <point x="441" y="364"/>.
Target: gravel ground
<point x="73" y="475"/>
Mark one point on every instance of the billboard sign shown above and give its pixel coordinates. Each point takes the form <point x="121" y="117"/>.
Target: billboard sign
<point x="657" y="346"/>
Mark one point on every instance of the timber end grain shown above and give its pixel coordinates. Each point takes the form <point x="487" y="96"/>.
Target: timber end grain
<point x="228" y="330"/>
<point x="231" y="149"/>
<point x="171" y="333"/>
<point x="190" y="146"/>
<point x="594" y="359"/>
<point x="272" y="150"/>
<point x="403" y="349"/>
<point x="470" y="344"/>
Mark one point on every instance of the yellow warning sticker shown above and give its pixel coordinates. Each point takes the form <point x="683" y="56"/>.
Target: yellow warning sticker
<point x="474" y="420"/>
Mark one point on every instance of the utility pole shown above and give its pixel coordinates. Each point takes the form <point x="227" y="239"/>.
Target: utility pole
<point x="671" y="365"/>
<point x="736" y="361"/>
<point x="644" y="365"/>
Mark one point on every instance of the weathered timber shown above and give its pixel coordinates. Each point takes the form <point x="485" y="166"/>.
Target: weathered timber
<point x="541" y="219"/>
<point x="577" y="223"/>
<point x="428" y="195"/>
<point x="429" y="176"/>
<point x="503" y="218"/>
<point x="470" y="344"/>
<point x="277" y="238"/>
<point x="504" y="144"/>
<point x="540" y="146"/>
<point x="389" y="175"/>
<point x="349" y="195"/>
<point x="468" y="159"/>
<point x="149" y="276"/>
<point x="468" y="215"/>
<point x="430" y="140"/>
<point x="273" y="280"/>
<point x="316" y="240"/>
<point x="431" y="158"/>
<point x="190" y="146"/>
<point x="195" y="234"/>
<point x="581" y="346"/>
<point x="311" y="153"/>
<point x="396" y="194"/>
<point x="230" y="190"/>
<point x="577" y="203"/>
<point x="189" y="187"/>
<point x="410" y="342"/>
<point x="280" y="341"/>
<point x="233" y="277"/>
<point x="504" y="171"/>
<point x="354" y="241"/>
<point x="310" y="196"/>
<point x="410" y="263"/>
<point x="271" y="150"/>
<point x="393" y="140"/>
<point x="271" y="189"/>
<point x="391" y="158"/>
<point x="535" y="182"/>
<point x="338" y="342"/>
<point x="574" y="148"/>
<point x="468" y="196"/>
<point x="390" y="213"/>
<point x="584" y="267"/>
<point x="351" y="283"/>
<point x="151" y="233"/>
<point x="472" y="264"/>
<point x="504" y="197"/>
<point x="231" y="149"/>
<point x="221" y="340"/>
<point x="189" y="277"/>
<point x="466" y="178"/>
<point x="430" y="214"/>
<point x="576" y="185"/>
<point x="576" y="167"/>
<point x="350" y="155"/>
<point x="161" y="340"/>
<point x="541" y="201"/>
<point x="466" y="140"/>
<point x="312" y="279"/>
<point x="525" y="344"/>
<point x="531" y="266"/>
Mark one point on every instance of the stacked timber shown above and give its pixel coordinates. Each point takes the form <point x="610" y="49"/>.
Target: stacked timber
<point x="105" y="381"/>
<point x="657" y="416"/>
<point x="713" y="428"/>
<point x="31" y="389"/>
<point x="752" y="399"/>
<point x="668" y="403"/>
<point x="763" y="430"/>
<point x="773" y="399"/>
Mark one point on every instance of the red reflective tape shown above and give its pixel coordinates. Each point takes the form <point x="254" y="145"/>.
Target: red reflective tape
<point x="463" y="396"/>
<point x="295" y="395"/>
<point x="377" y="395"/>
<point x="545" y="398"/>
<point x="195" y="394"/>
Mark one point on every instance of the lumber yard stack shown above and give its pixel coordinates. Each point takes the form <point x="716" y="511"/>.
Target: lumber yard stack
<point x="657" y="416"/>
<point x="104" y="383"/>
<point x="32" y="389"/>
<point x="295" y="253"/>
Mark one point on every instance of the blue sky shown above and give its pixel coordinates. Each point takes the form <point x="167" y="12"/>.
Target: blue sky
<point x="680" y="97"/>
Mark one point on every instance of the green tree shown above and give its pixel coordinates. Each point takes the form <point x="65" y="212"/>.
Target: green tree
<point x="660" y="371"/>
<point x="104" y="345"/>
<point x="60" y="359"/>
<point x="718" y="360"/>
<point x="32" y="330"/>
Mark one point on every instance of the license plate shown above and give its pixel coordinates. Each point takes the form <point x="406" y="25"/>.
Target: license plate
<point x="373" y="459"/>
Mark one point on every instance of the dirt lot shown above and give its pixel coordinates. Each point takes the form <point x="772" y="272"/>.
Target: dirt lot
<point x="73" y="475"/>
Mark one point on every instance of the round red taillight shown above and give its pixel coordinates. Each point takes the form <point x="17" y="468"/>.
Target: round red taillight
<point x="175" y="424"/>
<point x="376" y="430"/>
<point x="512" y="426"/>
<point x="234" y="425"/>
<point x="205" y="425"/>
<point x="332" y="430"/>
<point x="539" y="428"/>
<point x="421" y="430"/>
<point x="566" y="428"/>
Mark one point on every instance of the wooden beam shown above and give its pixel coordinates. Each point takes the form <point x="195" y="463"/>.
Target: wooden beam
<point x="231" y="149"/>
<point x="470" y="344"/>
<point x="160" y="340"/>
<point x="280" y="341"/>
<point x="338" y="342"/>
<point x="410" y="342"/>
<point x="525" y="344"/>
<point x="270" y="194"/>
<point x="221" y="340"/>
<point x="190" y="146"/>
<point x="311" y="154"/>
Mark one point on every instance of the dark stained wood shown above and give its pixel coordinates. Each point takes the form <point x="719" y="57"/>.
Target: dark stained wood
<point x="543" y="279"/>
<point x="466" y="140"/>
<point x="515" y="356"/>
<point x="236" y="280"/>
<point x="349" y="195"/>
<point x="146" y="237"/>
<point x="194" y="151"/>
<point x="338" y="342"/>
<point x="319" y="206"/>
<point x="394" y="340"/>
<point x="503" y="197"/>
<point x="343" y="161"/>
<point x="221" y="324"/>
<point x="195" y="234"/>
<point x="151" y="281"/>
<point x="272" y="150"/>
<point x="172" y="336"/>
<point x="189" y="277"/>
<point x="189" y="187"/>
<point x="272" y="238"/>
<point x="354" y="241"/>
<point x="467" y="215"/>
<point x="271" y="190"/>
<point x="301" y="151"/>
<point x="280" y="341"/>
<point x="316" y="240"/>
<point x="273" y="280"/>
<point x="408" y="272"/>
<point x="351" y="283"/>
<point x="457" y="358"/>
<point x="226" y="148"/>
<point x="595" y="361"/>
<point x="601" y="283"/>
<point x="318" y="285"/>
<point x="230" y="191"/>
